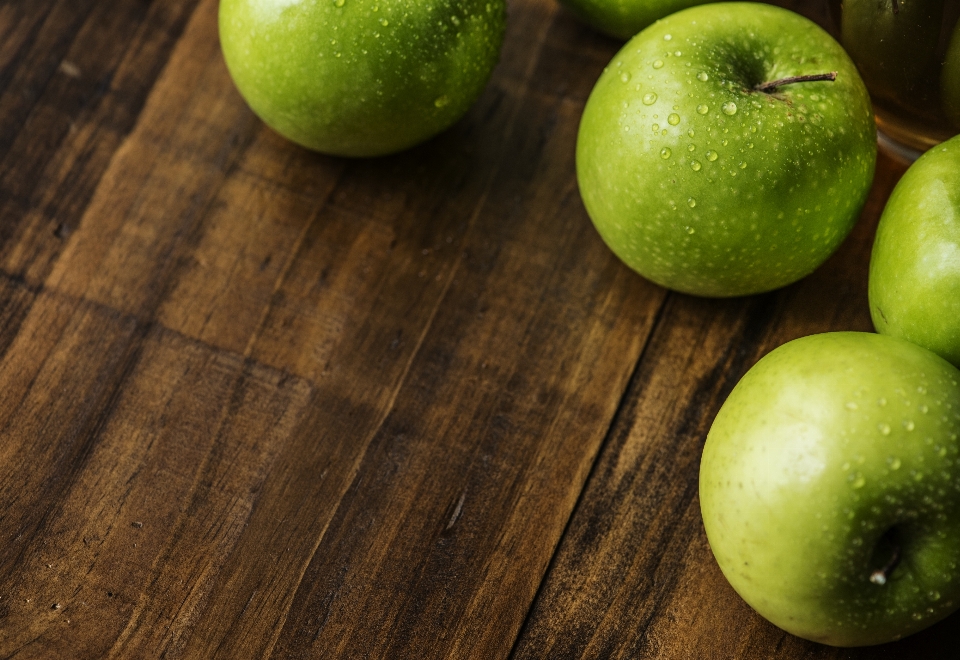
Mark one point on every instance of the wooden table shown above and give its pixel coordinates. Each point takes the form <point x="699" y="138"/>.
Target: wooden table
<point x="259" y="402"/>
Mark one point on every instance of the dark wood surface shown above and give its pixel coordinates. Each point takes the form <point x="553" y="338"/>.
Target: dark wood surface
<point x="262" y="403"/>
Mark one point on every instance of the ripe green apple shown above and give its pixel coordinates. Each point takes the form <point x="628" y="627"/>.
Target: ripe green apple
<point x="950" y="79"/>
<point x="915" y="265"/>
<point x="624" y="18"/>
<point x="361" y="77"/>
<point x="703" y="183"/>
<point x="830" y="488"/>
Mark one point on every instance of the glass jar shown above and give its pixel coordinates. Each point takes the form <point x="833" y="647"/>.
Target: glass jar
<point x="908" y="52"/>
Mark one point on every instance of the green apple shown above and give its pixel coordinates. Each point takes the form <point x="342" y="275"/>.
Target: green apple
<point x="830" y="488"/>
<point x="915" y="264"/>
<point x="361" y="77"/>
<point x="624" y="18"/>
<point x="950" y="79"/>
<point x="703" y="182"/>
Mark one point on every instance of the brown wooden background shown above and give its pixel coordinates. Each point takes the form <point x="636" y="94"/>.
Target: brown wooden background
<point x="259" y="402"/>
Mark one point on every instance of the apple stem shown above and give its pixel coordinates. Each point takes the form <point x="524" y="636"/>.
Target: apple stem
<point x="881" y="575"/>
<point x="773" y="84"/>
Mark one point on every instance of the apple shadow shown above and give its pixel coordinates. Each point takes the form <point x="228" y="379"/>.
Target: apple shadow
<point x="938" y="642"/>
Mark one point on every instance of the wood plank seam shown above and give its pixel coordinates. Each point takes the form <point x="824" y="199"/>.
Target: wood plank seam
<point x="613" y="427"/>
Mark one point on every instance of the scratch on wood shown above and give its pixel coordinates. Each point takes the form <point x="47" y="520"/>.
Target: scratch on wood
<point x="249" y="600"/>
<point x="457" y="510"/>
<point x="70" y="69"/>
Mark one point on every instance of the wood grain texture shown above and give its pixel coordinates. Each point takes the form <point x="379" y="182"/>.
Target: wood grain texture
<point x="259" y="402"/>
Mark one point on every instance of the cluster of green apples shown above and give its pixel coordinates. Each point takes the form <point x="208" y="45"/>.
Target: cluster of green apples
<point x="713" y="161"/>
<point x="727" y="150"/>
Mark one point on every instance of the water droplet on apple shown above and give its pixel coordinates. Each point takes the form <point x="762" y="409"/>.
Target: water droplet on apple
<point x="339" y="3"/>
<point x="884" y="428"/>
<point x="934" y="595"/>
<point x="703" y="109"/>
<point x="691" y="202"/>
<point x="665" y="153"/>
<point x="655" y="127"/>
<point x="858" y="481"/>
<point x="691" y="147"/>
<point x="658" y="64"/>
<point x="649" y="98"/>
<point x="712" y="156"/>
<point x="442" y="101"/>
<point x="691" y="230"/>
<point x="743" y="165"/>
<point x="917" y="616"/>
<point x="667" y="37"/>
<point x="851" y="405"/>
<point x="677" y="53"/>
<point x="624" y="77"/>
<point x="908" y="424"/>
<point x="695" y="164"/>
<point x="924" y="409"/>
<point x="729" y="108"/>
<point x="703" y="77"/>
<point x="384" y="22"/>
<point x="893" y="462"/>
<point x="690" y="133"/>
<point x="673" y="119"/>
